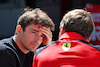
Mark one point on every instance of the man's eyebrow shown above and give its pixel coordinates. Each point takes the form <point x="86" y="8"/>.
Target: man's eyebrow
<point x="34" y="30"/>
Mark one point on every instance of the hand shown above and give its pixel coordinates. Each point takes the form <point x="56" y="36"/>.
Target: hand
<point x="47" y="35"/>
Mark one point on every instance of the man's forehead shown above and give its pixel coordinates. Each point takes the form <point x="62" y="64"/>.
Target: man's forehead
<point x="44" y="26"/>
<point x="35" y="30"/>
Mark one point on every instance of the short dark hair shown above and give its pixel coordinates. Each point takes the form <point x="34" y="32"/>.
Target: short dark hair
<point x="35" y="16"/>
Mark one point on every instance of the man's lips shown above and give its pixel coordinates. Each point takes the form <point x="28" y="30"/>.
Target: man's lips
<point x="35" y="44"/>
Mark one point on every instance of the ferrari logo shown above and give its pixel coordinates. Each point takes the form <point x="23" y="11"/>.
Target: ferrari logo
<point x="66" y="46"/>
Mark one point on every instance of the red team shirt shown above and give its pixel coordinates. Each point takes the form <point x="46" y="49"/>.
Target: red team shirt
<point x="71" y="50"/>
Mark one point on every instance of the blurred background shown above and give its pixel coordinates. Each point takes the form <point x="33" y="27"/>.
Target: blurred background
<point x="10" y="10"/>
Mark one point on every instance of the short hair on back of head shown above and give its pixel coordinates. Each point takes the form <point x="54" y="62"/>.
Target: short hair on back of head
<point x="79" y="21"/>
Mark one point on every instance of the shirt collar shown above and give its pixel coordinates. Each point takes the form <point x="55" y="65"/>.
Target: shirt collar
<point x="71" y="36"/>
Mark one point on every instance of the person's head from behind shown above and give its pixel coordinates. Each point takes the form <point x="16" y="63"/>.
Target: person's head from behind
<point x="28" y="30"/>
<point x="79" y="21"/>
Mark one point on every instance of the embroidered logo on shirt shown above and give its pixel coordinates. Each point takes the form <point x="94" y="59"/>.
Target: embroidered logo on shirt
<point x="66" y="46"/>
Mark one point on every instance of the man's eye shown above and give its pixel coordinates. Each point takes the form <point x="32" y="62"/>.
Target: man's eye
<point x="33" y="32"/>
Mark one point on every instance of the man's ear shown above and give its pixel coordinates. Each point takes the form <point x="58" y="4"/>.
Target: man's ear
<point x="18" y="29"/>
<point x="62" y="30"/>
<point x="88" y="40"/>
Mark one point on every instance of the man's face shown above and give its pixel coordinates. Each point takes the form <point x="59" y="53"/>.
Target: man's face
<point x="32" y="37"/>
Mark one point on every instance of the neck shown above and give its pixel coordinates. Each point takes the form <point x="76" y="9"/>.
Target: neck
<point x="20" y="45"/>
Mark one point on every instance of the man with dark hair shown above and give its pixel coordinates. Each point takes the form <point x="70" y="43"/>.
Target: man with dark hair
<point x="72" y="48"/>
<point x="33" y="28"/>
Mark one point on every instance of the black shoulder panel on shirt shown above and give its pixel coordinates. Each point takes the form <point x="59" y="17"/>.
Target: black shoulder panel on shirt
<point x="42" y="48"/>
<point x="95" y="46"/>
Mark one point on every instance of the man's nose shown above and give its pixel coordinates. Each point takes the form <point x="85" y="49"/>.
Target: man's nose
<point x="37" y="38"/>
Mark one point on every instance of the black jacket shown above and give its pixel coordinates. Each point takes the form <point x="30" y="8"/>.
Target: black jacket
<point x="12" y="56"/>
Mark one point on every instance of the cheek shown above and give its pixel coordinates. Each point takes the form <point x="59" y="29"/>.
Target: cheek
<point x="25" y="37"/>
<point x="41" y="39"/>
<point x="29" y="35"/>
